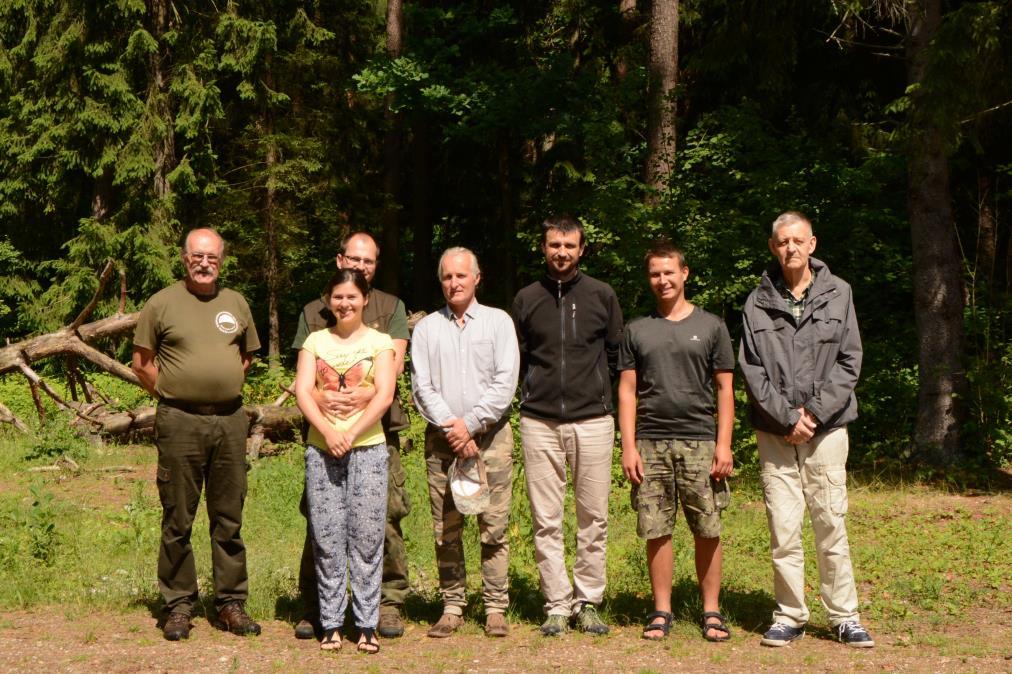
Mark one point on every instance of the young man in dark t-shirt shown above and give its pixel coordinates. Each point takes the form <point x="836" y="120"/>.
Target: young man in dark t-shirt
<point x="670" y="364"/>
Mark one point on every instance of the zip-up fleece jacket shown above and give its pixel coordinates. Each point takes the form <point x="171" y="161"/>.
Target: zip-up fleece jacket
<point x="813" y="363"/>
<point x="569" y="336"/>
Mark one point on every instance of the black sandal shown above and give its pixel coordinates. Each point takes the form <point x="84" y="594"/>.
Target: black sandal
<point x="719" y="626"/>
<point x="663" y="627"/>
<point x="331" y="640"/>
<point x="368" y="644"/>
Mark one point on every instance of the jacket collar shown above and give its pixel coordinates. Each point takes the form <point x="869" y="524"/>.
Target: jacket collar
<point x="768" y="297"/>
<point x="552" y="285"/>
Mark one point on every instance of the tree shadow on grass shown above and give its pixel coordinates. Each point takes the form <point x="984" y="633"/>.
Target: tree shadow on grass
<point x="426" y="608"/>
<point x="750" y="611"/>
<point x="288" y="608"/>
<point x="203" y="608"/>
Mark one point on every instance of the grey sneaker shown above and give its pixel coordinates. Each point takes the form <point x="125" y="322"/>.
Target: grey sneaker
<point x="852" y="634"/>
<point x="555" y="625"/>
<point x="589" y="622"/>
<point x="781" y="635"/>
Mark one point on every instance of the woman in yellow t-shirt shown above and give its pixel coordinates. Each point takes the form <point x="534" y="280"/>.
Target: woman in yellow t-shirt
<point x="346" y="460"/>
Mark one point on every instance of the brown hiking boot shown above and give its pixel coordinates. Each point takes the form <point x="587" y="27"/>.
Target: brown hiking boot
<point x="177" y="626"/>
<point x="232" y="617"/>
<point x="496" y="625"/>
<point x="446" y="626"/>
<point x="390" y="624"/>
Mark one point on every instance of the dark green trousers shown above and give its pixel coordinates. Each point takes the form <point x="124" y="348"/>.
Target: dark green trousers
<point x="394" y="590"/>
<point x="193" y="451"/>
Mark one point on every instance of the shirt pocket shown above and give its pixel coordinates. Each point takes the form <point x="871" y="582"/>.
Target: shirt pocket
<point x="482" y="353"/>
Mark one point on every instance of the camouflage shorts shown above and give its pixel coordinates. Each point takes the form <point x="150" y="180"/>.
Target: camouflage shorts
<point x="678" y="470"/>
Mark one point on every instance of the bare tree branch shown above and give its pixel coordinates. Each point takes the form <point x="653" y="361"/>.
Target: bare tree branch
<point x="8" y="417"/>
<point x="102" y="280"/>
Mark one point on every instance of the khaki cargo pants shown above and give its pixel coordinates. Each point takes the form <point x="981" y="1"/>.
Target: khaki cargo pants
<point x="812" y="473"/>
<point x="493" y="524"/>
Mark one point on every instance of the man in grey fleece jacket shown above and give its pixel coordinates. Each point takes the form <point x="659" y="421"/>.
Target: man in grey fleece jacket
<point x="801" y="357"/>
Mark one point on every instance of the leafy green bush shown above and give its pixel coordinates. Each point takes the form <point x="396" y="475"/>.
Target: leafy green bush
<point x="55" y="439"/>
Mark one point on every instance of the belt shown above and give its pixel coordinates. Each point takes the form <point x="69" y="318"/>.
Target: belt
<point x="204" y="409"/>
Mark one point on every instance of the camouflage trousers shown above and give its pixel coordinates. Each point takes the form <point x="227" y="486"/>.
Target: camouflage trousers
<point x="395" y="588"/>
<point x="448" y="523"/>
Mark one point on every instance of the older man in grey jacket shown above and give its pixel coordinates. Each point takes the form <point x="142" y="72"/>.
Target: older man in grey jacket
<point x="801" y="357"/>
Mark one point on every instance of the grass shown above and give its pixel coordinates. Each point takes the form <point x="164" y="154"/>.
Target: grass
<point x="90" y="541"/>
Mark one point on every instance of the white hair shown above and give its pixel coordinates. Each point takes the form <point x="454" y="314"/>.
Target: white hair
<point x="457" y="250"/>
<point x="204" y="230"/>
<point x="789" y="218"/>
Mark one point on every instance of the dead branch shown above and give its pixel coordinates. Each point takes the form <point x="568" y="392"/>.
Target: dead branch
<point x="39" y="382"/>
<point x="102" y="280"/>
<point x="66" y="341"/>
<point x="122" y="291"/>
<point x="8" y="417"/>
<point x="60" y="464"/>
<point x="37" y="400"/>
<point x="286" y="393"/>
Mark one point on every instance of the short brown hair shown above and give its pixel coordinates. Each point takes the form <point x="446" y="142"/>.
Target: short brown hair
<point x="663" y="248"/>
<point x="564" y="223"/>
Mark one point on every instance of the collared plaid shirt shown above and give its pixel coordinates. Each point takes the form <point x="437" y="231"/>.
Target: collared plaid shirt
<point x="794" y="305"/>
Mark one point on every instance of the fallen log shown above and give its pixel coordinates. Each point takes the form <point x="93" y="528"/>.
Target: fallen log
<point x="95" y="417"/>
<point x="274" y="423"/>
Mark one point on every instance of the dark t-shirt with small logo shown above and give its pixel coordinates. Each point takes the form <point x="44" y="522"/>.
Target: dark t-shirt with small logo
<point x="675" y="362"/>
<point x="198" y="342"/>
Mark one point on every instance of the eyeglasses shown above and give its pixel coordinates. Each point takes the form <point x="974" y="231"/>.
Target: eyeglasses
<point x="210" y="257"/>
<point x="364" y="261"/>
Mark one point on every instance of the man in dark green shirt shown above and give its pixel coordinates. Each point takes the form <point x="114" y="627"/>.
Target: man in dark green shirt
<point x="386" y="313"/>
<point x="192" y="346"/>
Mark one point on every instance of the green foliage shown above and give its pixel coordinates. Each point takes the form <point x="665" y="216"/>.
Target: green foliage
<point x="56" y="439"/>
<point x="90" y="543"/>
<point x="40" y="523"/>
<point x="266" y="120"/>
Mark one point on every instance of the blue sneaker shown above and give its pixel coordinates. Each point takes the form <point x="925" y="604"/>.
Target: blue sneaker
<point x="781" y="635"/>
<point x="852" y="634"/>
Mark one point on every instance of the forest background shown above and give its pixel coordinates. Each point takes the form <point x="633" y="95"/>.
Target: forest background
<point x="284" y="124"/>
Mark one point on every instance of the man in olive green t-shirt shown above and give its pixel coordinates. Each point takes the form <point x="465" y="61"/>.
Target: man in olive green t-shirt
<point x="192" y="346"/>
<point x="386" y="313"/>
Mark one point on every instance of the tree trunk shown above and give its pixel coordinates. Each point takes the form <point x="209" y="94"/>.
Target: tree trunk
<point x="421" y="214"/>
<point x="506" y="260"/>
<point x="987" y="229"/>
<point x="158" y="98"/>
<point x="662" y="78"/>
<point x="938" y="284"/>
<point x="628" y="18"/>
<point x="389" y="270"/>
<point x="272" y="271"/>
<point x="269" y="216"/>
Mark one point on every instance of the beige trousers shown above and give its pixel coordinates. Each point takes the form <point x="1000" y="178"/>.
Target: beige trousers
<point x="812" y="473"/>
<point x="586" y="446"/>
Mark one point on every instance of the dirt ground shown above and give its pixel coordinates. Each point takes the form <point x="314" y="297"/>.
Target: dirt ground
<point x="52" y="640"/>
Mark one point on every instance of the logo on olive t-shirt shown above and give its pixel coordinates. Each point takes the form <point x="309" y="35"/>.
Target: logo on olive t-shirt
<point x="226" y="322"/>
